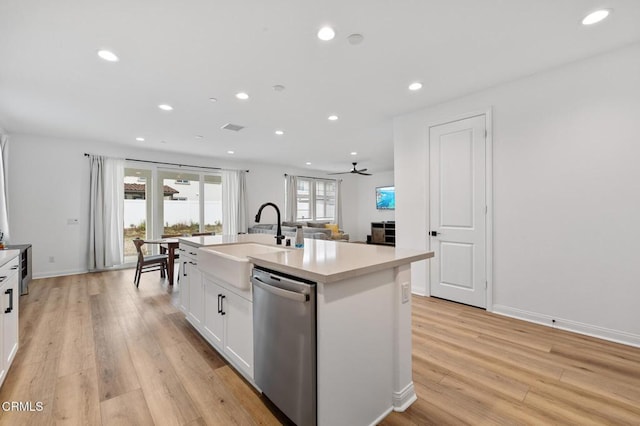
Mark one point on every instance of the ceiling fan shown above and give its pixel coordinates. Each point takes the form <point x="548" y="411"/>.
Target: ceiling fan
<point x="354" y="170"/>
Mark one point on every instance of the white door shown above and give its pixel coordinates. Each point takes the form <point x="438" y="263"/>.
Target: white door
<point x="458" y="209"/>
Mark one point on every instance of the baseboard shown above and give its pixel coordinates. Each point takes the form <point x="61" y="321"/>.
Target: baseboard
<point x="419" y="292"/>
<point x="569" y="325"/>
<point x="403" y="399"/>
<point x="382" y="416"/>
<point x="81" y="271"/>
<point x="59" y="273"/>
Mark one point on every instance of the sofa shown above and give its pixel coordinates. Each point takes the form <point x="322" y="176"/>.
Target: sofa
<point x="312" y="229"/>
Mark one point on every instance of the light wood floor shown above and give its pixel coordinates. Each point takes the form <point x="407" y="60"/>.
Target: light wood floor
<point x="96" y="351"/>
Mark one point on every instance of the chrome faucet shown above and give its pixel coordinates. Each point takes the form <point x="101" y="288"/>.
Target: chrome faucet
<point x="279" y="236"/>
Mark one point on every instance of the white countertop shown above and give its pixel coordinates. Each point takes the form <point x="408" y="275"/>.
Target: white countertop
<point x="7" y="255"/>
<point x="319" y="260"/>
<point x="214" y="240"/>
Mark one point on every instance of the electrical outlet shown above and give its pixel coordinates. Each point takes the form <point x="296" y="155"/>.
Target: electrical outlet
<point x="73" y="221"/>
<point x="52" y="259"/>
<point x="405" y="293"/>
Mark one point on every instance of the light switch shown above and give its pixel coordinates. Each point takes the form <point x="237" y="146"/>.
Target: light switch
<point x="405" y="293"/>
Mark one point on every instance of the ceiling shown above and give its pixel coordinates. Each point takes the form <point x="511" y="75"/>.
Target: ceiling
<point x="183" y="53"/>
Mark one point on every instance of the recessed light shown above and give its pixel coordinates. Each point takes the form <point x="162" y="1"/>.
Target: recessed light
<point x="165" y="107"/>
<point x="242" y="95"/>
<point x="163" y="141"/>
<point x="279" y="88"/>
<point x="108" y="55"/>
<point x="213" y="100"/>
<point x="230" y="152"/>
<point x="354" y="153"/>
<point x="199" y="136"/>
<point x="279" y="132"/>
<point x="326" y="33"/>
<point x="308" y="163"/>
<point x="415" y="86"/>
<point x="332" y="117"/>
<point x="139" y="139"/>
<point x="595" y="17"/>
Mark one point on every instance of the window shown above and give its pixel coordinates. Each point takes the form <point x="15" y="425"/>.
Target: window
<point x="316" y="199"/>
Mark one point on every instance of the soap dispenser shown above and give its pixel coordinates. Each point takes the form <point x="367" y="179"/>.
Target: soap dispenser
<point x="299" y="237"/>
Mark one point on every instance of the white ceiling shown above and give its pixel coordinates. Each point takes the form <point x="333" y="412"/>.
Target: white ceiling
<point x="184" y="52"/>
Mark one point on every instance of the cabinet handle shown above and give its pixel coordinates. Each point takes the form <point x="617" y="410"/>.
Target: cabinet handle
<point x="184" y="269"/>
<point x="219" y="304"/>
<point x="2" y="278"/>
<point x="222" y="312"/>
<point x="10" y="308"/>
<point x="14" y="267"/>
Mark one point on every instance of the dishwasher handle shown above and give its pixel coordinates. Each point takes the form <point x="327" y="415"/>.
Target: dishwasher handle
<point x="292" y="295"/>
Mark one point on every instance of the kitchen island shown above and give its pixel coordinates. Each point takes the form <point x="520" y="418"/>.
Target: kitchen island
<point x="363" y="310"/>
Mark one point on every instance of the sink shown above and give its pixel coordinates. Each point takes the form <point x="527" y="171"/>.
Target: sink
<point x="230" y="264"/>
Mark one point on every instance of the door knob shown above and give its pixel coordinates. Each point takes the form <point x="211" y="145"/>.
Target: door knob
<point x="435" y="233"/>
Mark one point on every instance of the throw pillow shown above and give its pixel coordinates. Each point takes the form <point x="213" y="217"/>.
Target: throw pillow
<point x="293" y="224"/>
<point x="333" y="227"/>
<point x="316" y="224"/>
<point x="263" y="225"/>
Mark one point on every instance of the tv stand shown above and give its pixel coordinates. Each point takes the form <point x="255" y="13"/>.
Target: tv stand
<point x="383" y="233"/>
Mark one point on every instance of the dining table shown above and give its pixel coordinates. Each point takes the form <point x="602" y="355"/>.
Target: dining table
<point x="168" y="246"/>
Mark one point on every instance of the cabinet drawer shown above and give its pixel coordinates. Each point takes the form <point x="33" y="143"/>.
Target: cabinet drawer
<point x="9" y="268"/>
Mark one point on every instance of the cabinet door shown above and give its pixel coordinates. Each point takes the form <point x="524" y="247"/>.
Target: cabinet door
<point x="3" y="365"/>
<point x="9" y="311"/>
<point x="196" y="295"/>
<point x="213" y="319"/>
<point x="238" y="335"/>
<point x="185" y="275"/>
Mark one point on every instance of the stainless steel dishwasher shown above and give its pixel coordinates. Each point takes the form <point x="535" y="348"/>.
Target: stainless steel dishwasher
<point x="284" y="343"/>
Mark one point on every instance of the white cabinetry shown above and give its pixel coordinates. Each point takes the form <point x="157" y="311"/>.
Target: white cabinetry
<point x="183" y="279"/>
<point x="194" y="294"/>
<point x="222" y="313"/>
<point x="228" y="324"/>
<point x="9" y="294"/>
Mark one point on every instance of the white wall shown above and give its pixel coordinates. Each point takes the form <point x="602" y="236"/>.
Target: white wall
<point x="48" y="184"/>
<point x="366" y="202"/>
<point x="566" y="193"/>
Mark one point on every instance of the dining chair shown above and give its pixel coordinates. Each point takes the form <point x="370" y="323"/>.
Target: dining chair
<point x="156" y="262"/>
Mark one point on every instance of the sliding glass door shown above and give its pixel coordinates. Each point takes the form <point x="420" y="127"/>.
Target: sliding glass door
<point x="137" y="209"/>
<point x="169" y="202"/>
<point x="191" y="202"/>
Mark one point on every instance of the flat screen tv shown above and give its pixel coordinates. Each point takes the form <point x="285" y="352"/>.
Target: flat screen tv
<point x="386" y="198"/>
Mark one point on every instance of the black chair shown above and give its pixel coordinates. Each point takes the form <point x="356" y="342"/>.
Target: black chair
<point x="157" y="262"/>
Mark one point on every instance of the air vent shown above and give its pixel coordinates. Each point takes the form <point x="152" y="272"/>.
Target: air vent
<point x="234" y="127"/>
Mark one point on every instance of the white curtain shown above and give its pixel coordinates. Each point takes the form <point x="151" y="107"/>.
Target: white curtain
<point x="291" y="196"/>
<point x="339" y="202"/>
<point x="106" y="212"/>
<point x="4" y="216"/>
<point x="234" y="202"/>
